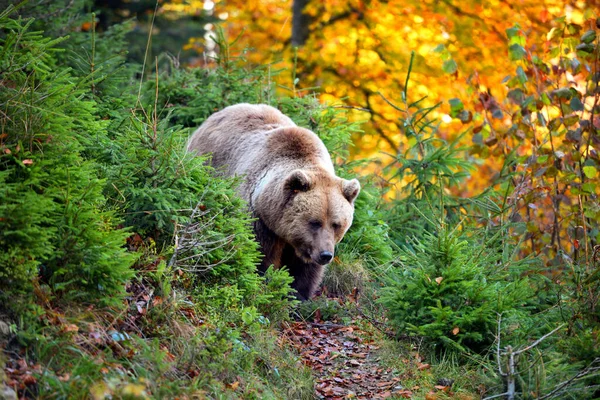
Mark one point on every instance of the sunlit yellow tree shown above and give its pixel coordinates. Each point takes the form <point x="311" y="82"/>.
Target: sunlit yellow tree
<point x="357" y="52"/>
<point x="470" y="56"/>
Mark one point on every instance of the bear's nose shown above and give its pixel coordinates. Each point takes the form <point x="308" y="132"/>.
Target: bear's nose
<point x="325" y="257"/>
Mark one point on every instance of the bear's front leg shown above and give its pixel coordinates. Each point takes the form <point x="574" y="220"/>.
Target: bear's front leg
<point x="307" y="276"/>
<point x="270" y="246"/>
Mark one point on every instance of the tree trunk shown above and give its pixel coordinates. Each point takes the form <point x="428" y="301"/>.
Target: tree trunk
<point x="300" y="22"/>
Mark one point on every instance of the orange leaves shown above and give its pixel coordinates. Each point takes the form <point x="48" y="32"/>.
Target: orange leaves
<point x="344" y="362"/>
<point x="355" y="51"/>
<point x="500" y="66"/>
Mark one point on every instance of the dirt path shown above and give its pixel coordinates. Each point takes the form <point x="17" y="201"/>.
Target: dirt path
<point x="345" y="362"/>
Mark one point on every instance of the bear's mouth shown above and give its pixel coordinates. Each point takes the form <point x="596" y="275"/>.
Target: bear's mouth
<point x="304" y="255"/>
<point x="307" y="257"/>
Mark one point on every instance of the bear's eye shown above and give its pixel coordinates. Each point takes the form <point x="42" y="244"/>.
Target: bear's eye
<point x="336" y="226"/>
<point x="315" y="224"/>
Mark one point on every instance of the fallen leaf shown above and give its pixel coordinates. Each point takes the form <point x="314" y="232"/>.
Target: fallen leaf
<point x="439" y="279"/>
<point x="317" y="315"/>
<point x="234" y="385"/>
<point x="29" y="380"/>
<point x="70" y="328"/>
<point x="338" y="391"/>
<point x="134" y="390"/>
<point x="157" y="300"/>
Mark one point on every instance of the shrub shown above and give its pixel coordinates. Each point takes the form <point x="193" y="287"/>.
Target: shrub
<point x="451" y="285"/>
<point x="53" y="211"/>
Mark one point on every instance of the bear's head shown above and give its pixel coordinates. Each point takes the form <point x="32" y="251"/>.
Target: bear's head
<point x="314" y="212"/>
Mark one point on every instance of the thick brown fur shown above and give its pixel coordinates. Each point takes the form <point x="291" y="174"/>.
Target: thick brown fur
<point x="302" y="208"/>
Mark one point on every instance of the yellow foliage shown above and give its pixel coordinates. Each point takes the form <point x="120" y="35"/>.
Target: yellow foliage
<point x="358" y="50"/>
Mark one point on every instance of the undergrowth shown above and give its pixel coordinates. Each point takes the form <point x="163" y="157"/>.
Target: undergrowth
<point x="128" y="269"/>
<point x="99" y="196"/>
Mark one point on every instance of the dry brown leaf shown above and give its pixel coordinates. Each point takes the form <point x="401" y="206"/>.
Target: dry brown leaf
<point x="70" y="328"/>
<point x="64" y="377"/>
<point x="234" y="385"/>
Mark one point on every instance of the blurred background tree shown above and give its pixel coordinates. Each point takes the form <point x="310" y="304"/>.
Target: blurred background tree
<point x="165" y="27"/>
<point x="500" y="71"/>
<point x="172" y="24"/>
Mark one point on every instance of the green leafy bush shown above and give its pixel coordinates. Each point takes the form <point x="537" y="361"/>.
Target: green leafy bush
<point x="454" y="274"/>
<point x="53" y="211"/>
<point x="451" y="285"/>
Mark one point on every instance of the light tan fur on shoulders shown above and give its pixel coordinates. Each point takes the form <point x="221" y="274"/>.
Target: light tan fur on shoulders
<point x="249" y="140"/>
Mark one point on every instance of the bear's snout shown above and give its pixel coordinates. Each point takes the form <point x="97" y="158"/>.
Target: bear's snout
<point x="325" y="257"/>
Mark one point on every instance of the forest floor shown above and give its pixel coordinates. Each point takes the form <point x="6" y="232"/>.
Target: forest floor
<point x="352" y="358"/>
<point x="345" y="362"/>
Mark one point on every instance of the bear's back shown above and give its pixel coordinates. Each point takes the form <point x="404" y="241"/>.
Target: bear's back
<point x="224" y="129"/>
<point x="242" y="135"/>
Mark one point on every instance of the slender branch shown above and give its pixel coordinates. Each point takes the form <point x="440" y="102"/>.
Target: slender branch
<point x="580" y="374"/>
<point x="538" y="341"/>
<point x="498" y="357"/>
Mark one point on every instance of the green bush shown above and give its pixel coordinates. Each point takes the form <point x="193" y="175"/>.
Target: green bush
<point x="451" y="285"/>
<point x="54" y="215"/>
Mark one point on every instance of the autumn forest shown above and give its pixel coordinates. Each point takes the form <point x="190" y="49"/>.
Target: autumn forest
<point x="128" y="266"/>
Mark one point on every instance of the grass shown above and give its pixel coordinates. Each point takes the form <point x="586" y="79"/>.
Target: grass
<point x="154" y="347"/>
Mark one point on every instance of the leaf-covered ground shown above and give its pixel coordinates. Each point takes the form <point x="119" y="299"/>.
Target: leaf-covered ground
<point x="347" y="362"/>
<point x="344" y="361"/>
<point x="349" y="356"/>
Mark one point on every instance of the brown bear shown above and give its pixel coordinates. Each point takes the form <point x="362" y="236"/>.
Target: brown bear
<point x="302" y="208"/>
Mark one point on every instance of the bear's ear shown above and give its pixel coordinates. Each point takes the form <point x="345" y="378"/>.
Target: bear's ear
<point x="298" y="181"/>
<point x="350" y="189"/>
